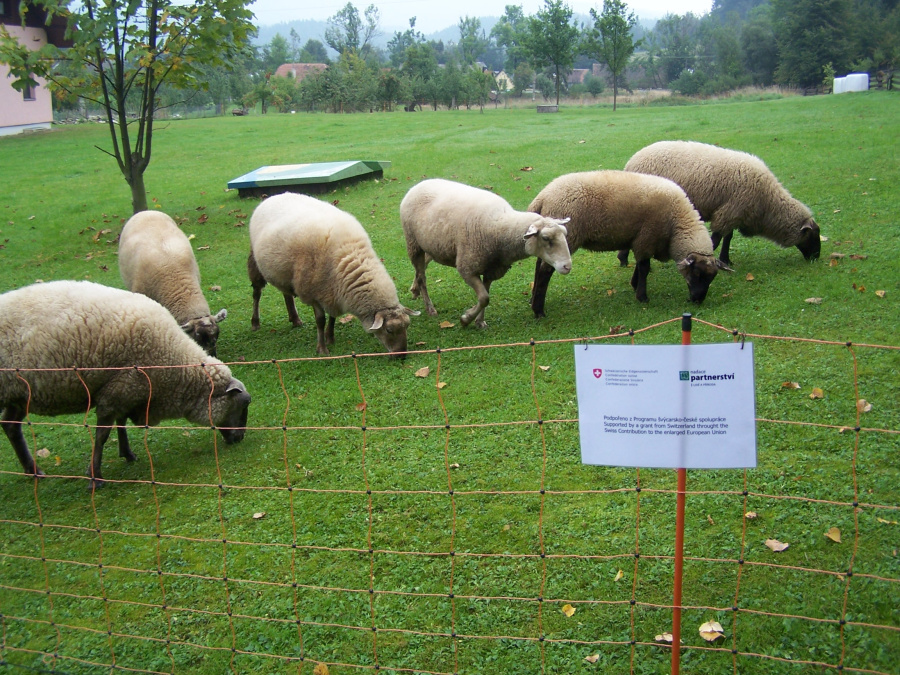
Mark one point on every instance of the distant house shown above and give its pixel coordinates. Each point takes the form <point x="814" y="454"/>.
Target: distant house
<point x="504" y="81"/>
<point x="32" y="108"/>
<point x="297" y="70"/>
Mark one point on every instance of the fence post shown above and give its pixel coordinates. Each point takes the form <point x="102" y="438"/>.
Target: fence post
<point x="679" y="535"/>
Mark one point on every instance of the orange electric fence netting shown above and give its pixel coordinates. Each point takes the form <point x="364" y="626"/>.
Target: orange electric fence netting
<point x="356" y="566"/>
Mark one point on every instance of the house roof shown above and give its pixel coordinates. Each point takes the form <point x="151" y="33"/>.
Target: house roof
<point x="299" y="70"/>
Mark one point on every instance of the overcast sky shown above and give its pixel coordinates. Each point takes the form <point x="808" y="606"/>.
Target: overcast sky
<point x="435" y="15"/>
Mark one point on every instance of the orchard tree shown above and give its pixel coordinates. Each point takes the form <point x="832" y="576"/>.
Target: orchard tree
<point x="610" y="41"/>
<point x="128" y="52"/>
<point x="552" y="39"/>
<point x="349" y="32"/>
<point x="472" y="40"/>
<point x="509" y="33"/>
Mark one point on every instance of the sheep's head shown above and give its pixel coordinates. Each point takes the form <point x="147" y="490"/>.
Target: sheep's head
<point x="546" y="239"/>
<point x="810" y="243"/>
<point x="699" y="269"/>
<point x="204" y="330"/>
<point x="229" y="411"/>
<point x="389" y="326"/>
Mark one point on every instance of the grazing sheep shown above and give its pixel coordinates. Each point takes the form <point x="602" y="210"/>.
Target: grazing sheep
<point x="612" y="210"/>
<point x="156" y="259"/>
<point x="731" y="190"/>
<point x="322" y="255"/>
<point x="122" y="353"/>
<point x="479" y="234"/>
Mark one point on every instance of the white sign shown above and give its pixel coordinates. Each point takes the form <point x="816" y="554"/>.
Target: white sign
<point x="667" y="406"/>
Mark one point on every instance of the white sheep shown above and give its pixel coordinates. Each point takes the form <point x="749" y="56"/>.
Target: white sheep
<point x="156" y="259"/>
<point x="613" y="210"/>
<point x="312" y="250"/>
<point x="121" y="353"/>
<point x="478" y="233"/>
<point x="731" y="190"/>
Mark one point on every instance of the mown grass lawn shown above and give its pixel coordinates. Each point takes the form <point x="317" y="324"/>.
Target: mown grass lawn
<point x="363" y="537"/>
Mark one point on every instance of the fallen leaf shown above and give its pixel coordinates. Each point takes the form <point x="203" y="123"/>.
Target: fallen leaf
<point x="192" y="236"/>
<point x="776" y="545"/>
<point x="817" y="393"/>
<point x="833" y="263"/>
<point x="423" y="372"/>
<point x="619" y="575"/>
<point x="863" y="406"/>
<point x="711" y="631"/>
<point x="861" y="289"/>
<point x="347" y="318"/>
<point x="320" y="669"/>
<point x="421" y="344"/>
<point x="880" y="294"/>
<point x="544" y="368"/>
<point x="886" y="522"/>
<point x="203" y="218"/>
<point x="43" y="452"/>
<point x="710" y="520"/>
<point x="527" y="168"/>
<point x="581" y="142"/>
<point x="834" y="534"/>
<point x="858" y="256"/>
<point x="751" y="515"/>
<point x="610" y="292"/>
<point x="615" y="330"/>
<point x="790" y="385"/>
<point x="821" y="238"/>
<point x="568" y="610"/>
<point x="361" y="406"/>
<point x="203" y="248"/>
<point x="259" y="515"/>
<point x="507" y="527"/>
<point x="749" y="277"/>
<point x="58" y="460"/>
<point x="441" y="385"/>
<point x="454" y="466"/>
<point x="446" y="324"/>
<point x="593" y="658"/>
<point x="664" y="637"/>
<point x="838" y="256"/>
<point x="814" y="301"/>
<point x="215" y="288"/>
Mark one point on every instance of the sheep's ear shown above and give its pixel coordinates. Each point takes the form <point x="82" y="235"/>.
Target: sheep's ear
<point x="235" y="385"/>
<point x="221" y="315"/>
<point x="722" y="266"/>
<point x="377" y="323"/>
<point x="411" y="312"/>
<point x="187" y="327"/>
<point x="687" y="262"/>
<point x="531" y="231"/>
<point x="562" y="223"/>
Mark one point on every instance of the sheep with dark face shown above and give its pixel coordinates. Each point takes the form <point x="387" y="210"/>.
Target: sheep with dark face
<point x="732" y="190"/>
<point x="314" y="251"/>
<point x="612" y="210"/>
<point x="68" y="346"/>
<point x="478" y="233"/>
<point x="156" y="259"/>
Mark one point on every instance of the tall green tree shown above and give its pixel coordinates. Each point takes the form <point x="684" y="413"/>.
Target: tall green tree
<point x="673" y="44"/>
<point x="552" y="39"/>
<point x="472" y="40"/>
<point x="611" y="41"/>
<point x="811" y="34"/>
<point x="313" y="52"/>
<point x="349" y="32"/>
<point x="398" y="44"/>
<point x="276" y="53"/>
<point x="759" y="49"/>
<point x="510" y="34"/>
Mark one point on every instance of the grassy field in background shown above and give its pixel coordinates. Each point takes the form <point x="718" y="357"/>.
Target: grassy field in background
<point x="63" y="203"/>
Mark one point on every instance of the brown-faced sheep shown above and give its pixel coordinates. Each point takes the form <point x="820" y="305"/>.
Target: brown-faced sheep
<point x="68" y="346"/>
<point x="479" y="234"/>
<point x="156" y="259"/>
<point x="612" y="210"/>
<point x="731" y="190"/>
<point x="314" y="251"/>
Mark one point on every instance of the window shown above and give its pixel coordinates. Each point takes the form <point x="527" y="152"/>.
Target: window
<point x="28" y="93"/>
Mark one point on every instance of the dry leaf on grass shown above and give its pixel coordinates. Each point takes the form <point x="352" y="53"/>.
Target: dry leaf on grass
<point x="544" y="368"/>
<point x="441" y="385"/>
<point x="568" y="610"/>
<point x="446" y="324"/>
<point x="834" y="534"/>
<point x="43" y="453"/>
<point x="750" y="277"/>
<point x="886" y="522"/>
<point x="259" y="515"/>
<point x="593" y="658"/>
<point x="751" y="515"/>
<point x="880" y="294"/>
<point x="814" y="301"/>
<point x="817" y="393"/>
<point x="361" y="406"/>
<point x="790" y="385"/>
<point x="619" y="575"/>
<point x="711" y="631"/>
<point x="863" y="406"/>
<point x="664" y="637"/>
<point x="320" y="669"/>
<point x="776" y="545"/>
<point x="215" y="288"/>
<point x="423" y="371"/>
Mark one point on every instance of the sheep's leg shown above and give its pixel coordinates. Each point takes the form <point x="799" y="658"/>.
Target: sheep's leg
<point x="639" y="279"/>
<point x="623" y="257"/>
<point x="292" y="310"/>
<point x="12" y="427"/>
<point x="542" y="274"/>
<point x="105" y="423"/>
<point x="477" y="310"/>
<point x="726" y="245"/>
<point x="320" y="329"/>
<point x="479" y="320"/>
<point x="122" y="435"/>
<point x="258" y="283"/>
<point x="329" y="331"/>
<point x="419" y="287"/>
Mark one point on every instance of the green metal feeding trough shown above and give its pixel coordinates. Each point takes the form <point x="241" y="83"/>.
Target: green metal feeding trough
<point x="308" y="178"/>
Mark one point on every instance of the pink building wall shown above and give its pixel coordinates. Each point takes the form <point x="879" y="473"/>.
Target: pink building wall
<point x="16" y="113"/>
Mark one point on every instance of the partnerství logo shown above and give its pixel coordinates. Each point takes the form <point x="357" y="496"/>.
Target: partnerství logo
<point x="684" y="376"/>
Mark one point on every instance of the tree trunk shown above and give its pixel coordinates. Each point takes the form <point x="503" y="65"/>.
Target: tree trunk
<point x="138" y="191"/>
<point x="615" y="91"/>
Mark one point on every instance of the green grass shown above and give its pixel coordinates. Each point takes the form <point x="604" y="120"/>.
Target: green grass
<point x="63" y="203"/>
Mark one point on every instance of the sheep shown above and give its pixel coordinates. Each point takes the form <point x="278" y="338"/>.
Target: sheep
<point x="122" y="353"/>
<point x="322" y="255"/>
<point x="611" y="210"/>
<point x="479" y="234"/>
<point x="156" y="259"/>
<point x="731" y="190"/>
